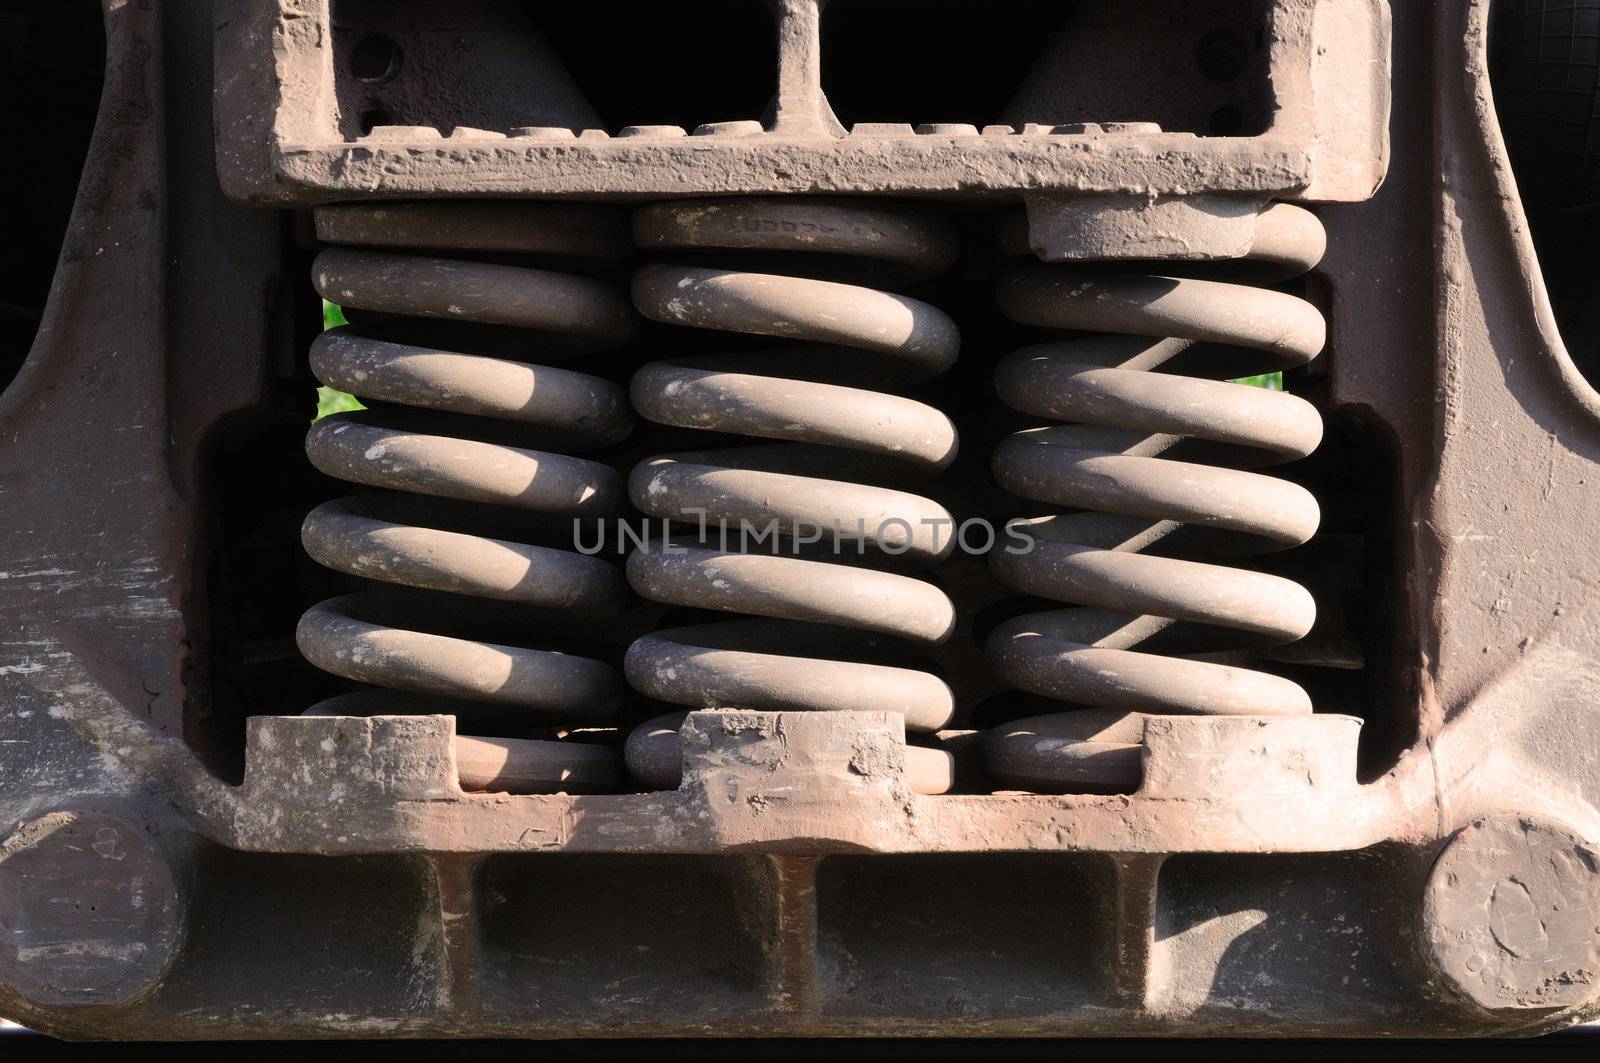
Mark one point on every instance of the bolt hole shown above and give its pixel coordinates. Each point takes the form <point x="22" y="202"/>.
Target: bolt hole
<point x="1222" y="56"/>
<point x="375" y="58"/>
<point x="1225" y="122"/>
<point x="373" y="117"/>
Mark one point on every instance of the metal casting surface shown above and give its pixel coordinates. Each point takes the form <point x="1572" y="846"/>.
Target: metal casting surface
<point x="577" y="720"/>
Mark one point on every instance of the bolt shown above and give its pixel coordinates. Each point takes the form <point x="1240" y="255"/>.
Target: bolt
<point x="1510" y="913"/>
<point x="89" y="909"/>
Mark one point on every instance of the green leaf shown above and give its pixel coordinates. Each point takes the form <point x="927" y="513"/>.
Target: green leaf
<point x="329" y="400"/>
<point x="1270" y="381"/>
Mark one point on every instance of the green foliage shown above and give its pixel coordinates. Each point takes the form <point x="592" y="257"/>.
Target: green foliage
<point x="329" y="400"/>
<point x="1270" y="381"/>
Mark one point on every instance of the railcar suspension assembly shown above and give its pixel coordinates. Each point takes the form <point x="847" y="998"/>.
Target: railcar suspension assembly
<point x="1150" y="626"/>
<point x="840" y="436"/>
<point x="418" y="442"/>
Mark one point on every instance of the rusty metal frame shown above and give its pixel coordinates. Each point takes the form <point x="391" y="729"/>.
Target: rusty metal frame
<point x="280" y="141"/>
<point x="1251" y="886"/>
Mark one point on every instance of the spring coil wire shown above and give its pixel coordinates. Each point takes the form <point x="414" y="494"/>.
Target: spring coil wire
<point x="1155" y="624"/>
<point x="815" y="627"/>
<point x="420" y="442"/>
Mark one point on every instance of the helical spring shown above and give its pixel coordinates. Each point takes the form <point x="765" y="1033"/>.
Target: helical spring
<point x="391" y="263"/>
<point x="1144" y="509"/>
<point x="817" y="617"/>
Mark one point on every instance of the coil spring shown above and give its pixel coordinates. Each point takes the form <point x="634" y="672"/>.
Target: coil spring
<point x="413" y="539"/>
<point x="814" y="613"/>
<point x="1146" y="609"/>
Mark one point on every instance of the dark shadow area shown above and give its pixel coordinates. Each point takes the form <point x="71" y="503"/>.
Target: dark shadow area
<point x="1228" y="916"/>
<point x="639" y="62"/>
<point x="595" y="934"/>
<point x="945" y="61"/>
<point x="501" y="65"/>
<point x="327" y="935"/>
<point x="1545" y="63"/>
<point x="997" y="935"/>
<point x="1192" y="68"/>
<point x="260" y="581"/>
<point x="52" y="62"/>
<point x="1346" y="662"/>
<point x="1577" y="1045"/>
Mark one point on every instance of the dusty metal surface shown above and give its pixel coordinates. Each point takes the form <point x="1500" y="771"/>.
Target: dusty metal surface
<point x="500" y="783"/>
<point x="298" y="121"/>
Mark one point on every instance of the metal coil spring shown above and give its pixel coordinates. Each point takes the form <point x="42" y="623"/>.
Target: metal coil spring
<point x="414" y="539"/>
<point x="1127" y="556"/>
<point x="815" y="614"/>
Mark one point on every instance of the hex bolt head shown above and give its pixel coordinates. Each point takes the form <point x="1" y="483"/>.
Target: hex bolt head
<point x="1511" y="916"/>
<point x="89" y="909"/>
